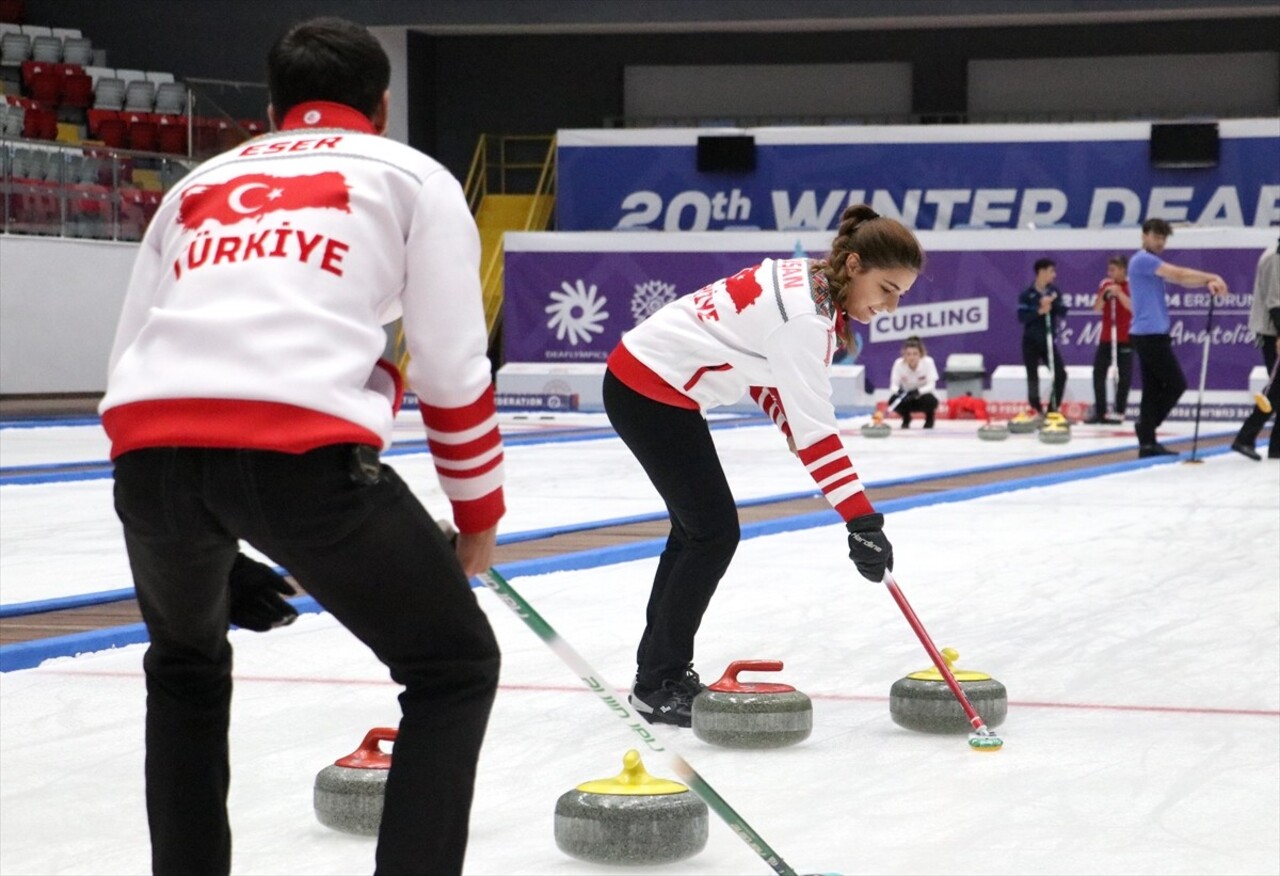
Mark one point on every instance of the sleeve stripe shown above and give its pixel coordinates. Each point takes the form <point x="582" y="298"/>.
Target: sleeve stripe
<point x="459" y="436"/>
<point x="831" y="469"/>
<point x="480" y="513"/>
<point x="470" y="471"/>
<point x="835" y="467"/>
<point x="462" y="418"/>
<point x="814" y="452"/>
<point x="854" y="506"/>
<point x="833" y="486"/>
<point x="465" y="450"/>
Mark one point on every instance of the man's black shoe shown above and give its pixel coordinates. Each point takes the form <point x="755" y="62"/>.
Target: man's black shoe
<point x="1246" y="450"/>
<point x="670" y="703"/>
<point x="1146" y="451"/>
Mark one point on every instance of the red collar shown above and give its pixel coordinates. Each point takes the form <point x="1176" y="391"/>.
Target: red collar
<point x="325" y="114"/>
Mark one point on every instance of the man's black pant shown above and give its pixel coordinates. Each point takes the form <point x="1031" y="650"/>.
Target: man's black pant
<point x="674" y="447"/>
<point x="1035" y="350"/>
<point x="374" y="558"/>
<point x="1253" y="424"/>
<point x="1163" y="383"/>
<point x="1124" y="377"/>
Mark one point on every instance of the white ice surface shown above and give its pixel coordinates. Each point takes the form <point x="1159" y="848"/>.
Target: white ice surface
<point x="1134" y="618"/>
<point x="63" y="539"/>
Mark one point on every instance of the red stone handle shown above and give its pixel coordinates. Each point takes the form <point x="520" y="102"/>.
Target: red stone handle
<point x="729" y="683"/>
<point x="369" y="756"/>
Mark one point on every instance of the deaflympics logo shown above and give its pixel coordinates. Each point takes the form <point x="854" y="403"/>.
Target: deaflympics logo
<point x="577" y="312"/>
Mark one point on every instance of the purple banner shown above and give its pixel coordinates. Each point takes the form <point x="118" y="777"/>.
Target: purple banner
<point x="574" y="306"/>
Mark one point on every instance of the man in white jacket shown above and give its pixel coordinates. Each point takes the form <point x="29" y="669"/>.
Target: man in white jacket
<point x="246" y="400"/>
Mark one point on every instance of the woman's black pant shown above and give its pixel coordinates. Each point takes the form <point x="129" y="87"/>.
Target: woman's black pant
<point x="1034" y="351"/>
<point x="373" y="557"/>
<point x="1163" y="383"/>
<point x="1124" y="377"/>
<point x="674" y="447"/>
<point x="1253" y="424"/>
<point x="924" y="403"/>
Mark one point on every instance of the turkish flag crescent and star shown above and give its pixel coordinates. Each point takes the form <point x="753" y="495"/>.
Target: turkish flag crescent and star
<point x="256" y="194"/>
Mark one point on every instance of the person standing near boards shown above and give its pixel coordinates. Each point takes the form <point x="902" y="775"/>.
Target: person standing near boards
<point x="1162" y="379"/>
<point x="1264" y="322"/>
<point x="1040" y="309"/>
<point x="1114" y="351"/>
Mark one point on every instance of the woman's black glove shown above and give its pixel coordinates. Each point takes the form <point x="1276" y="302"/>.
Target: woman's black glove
<point x="257" y="596"/>
<point x="868" y="547"/>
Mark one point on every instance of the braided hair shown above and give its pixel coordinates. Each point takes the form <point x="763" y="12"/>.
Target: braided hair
<point x="879" y="242"/>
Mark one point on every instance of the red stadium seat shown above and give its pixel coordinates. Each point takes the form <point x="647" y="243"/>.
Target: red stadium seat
<point x="143" y="135"/>
<point x="172" y="134"/>
<point x="107" y="126"/>
<point x="77" y="88"/>
<point x="40" y="123"/>
<point x="46" y="86"/>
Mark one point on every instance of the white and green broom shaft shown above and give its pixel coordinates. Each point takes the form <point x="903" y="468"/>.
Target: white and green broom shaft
<point x="513" y="600"/>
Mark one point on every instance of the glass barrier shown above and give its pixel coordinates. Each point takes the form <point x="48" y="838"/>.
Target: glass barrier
<point x="106" y="173"/>
<point x="223" y="114"/>
<point x="82" y="191"/>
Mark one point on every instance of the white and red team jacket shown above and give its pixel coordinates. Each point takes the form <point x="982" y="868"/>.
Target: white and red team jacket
<point x="923" y="378"/>
<point x="769" y="330"/>
<point x="255" y="312"/>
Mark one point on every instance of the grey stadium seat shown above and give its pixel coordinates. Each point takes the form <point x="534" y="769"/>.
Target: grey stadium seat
<point x="14" y="49"/>
<point x="109" y="93"/>
<point x="139" y="96"/>
<point x="77" y="50"/>
<point x="47" y="49"/>
<point x="171" y="99"/>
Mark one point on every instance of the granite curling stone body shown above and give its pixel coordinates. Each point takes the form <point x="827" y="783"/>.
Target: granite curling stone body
<point x="348" y="793"/>
<point x="753" y="714"/>
<point x="633" y="818"/>
<point x="923" y="701"/>
<point x="993" y="432"/>
<point x="877" y="428"/>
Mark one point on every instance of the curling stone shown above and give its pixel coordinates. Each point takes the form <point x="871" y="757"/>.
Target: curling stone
<point x="753" y="714"/>
<point x="348" y="793"/>
<point x="1025" y="422"/>
<point x="877" y="428"/>
<point x="633" y="818"/>
<point x="1054" y="433"/>
<point x="993" y="431"/>
<point x="923" y="701"/>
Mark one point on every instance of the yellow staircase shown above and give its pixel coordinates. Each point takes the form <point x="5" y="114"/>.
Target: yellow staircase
<point x="499" y="166"/>
<point x="496" y="215"/>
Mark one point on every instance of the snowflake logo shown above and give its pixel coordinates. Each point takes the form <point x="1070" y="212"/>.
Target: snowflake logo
<point x="650" y="297"/>
<point x="577" y="312"/>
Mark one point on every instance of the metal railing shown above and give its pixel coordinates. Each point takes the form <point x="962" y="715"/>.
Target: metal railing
<point x="935" y="118"/>
<point x="509" y="164"/>
<point x="85" y="191"/>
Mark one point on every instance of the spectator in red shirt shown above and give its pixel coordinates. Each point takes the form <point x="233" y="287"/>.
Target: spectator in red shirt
<point x="1113" y="302"/>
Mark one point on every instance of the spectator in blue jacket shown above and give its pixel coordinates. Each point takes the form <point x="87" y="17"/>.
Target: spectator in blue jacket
<point x="1041" y="310"/>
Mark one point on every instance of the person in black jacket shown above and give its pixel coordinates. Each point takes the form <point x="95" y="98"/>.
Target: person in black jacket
<point x="1040" y="310"/>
